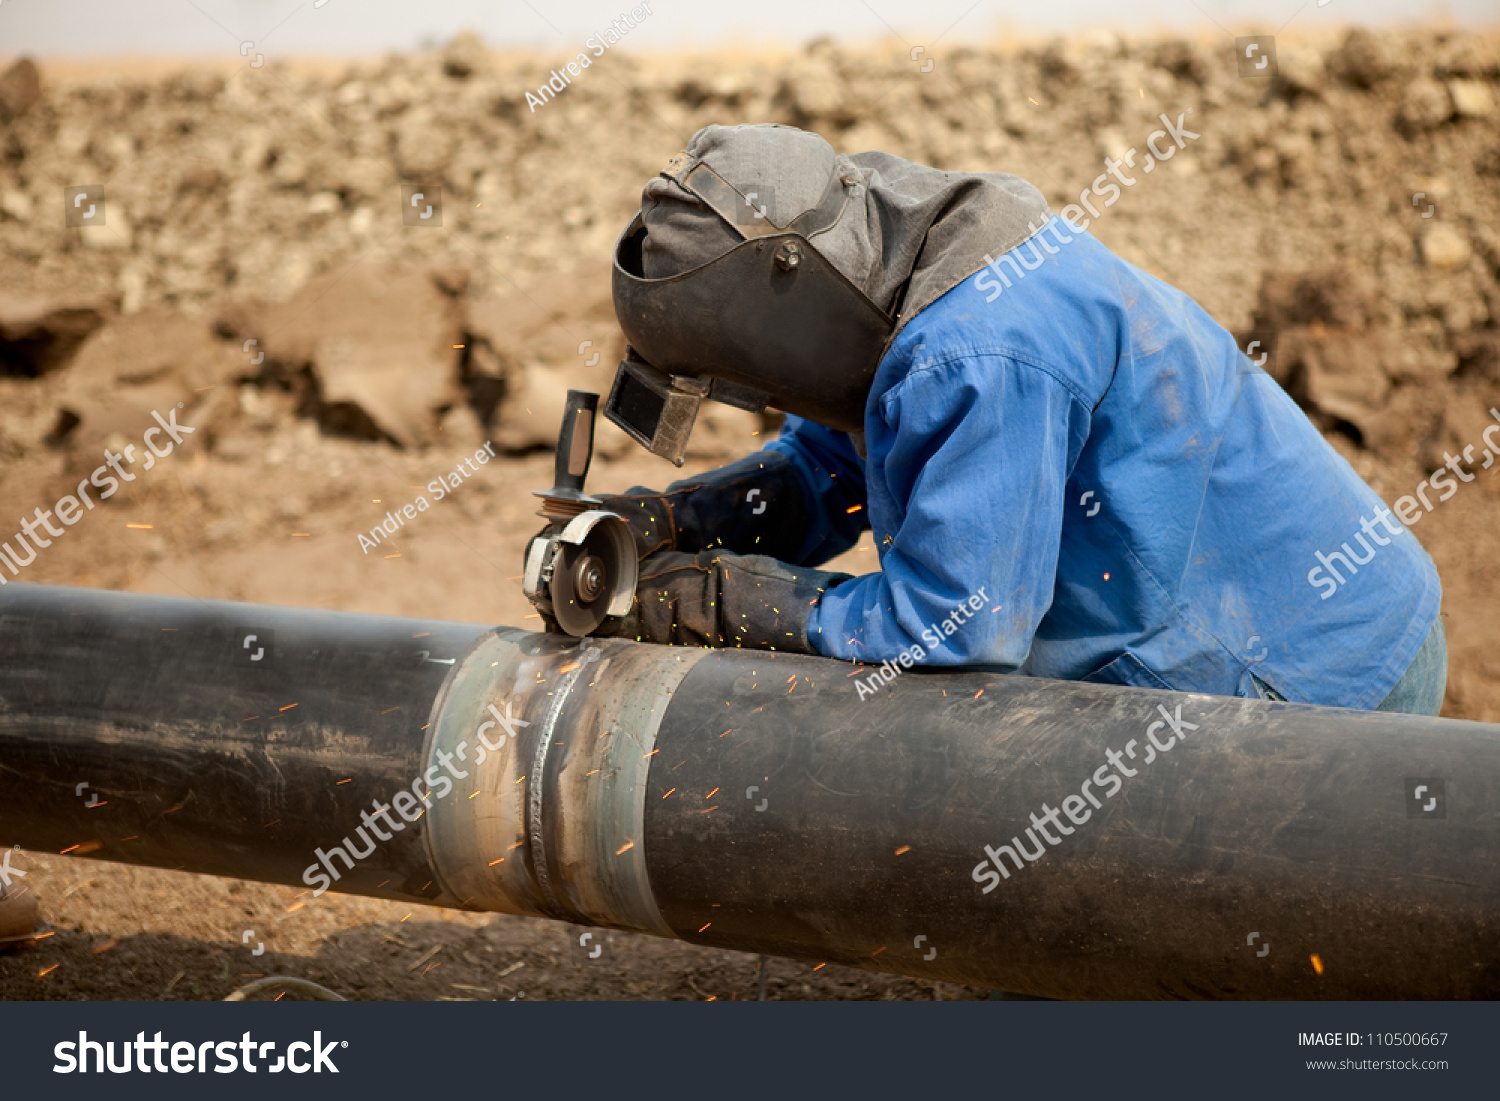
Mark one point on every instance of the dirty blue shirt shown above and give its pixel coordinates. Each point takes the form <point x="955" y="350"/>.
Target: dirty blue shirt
<point x="1140" y="503"/>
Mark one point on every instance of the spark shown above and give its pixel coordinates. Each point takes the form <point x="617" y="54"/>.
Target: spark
<point x="653" y="753"/>
<point x="706" y="924"/>
<point x="711" y="794"/>
<point x="301" y="534"/>
<point x="1317" y="963"/>
<point x="388" y="710"/>
<point x="1033" y="102"/>
<point x="44" y="972"/>
<point x="714" y="807"/>
<point x="854" y="508"/>
<point x="348" y="781"/>
<point x="494" y="862"/>
<point x="669" y="793"/>
<point x="903" y="849"/>
<point x="878" y="951"/>
<point x="1106" y="577"/>
<point x="460" y="345"/>
<point x="144" y="527"/>
<point x="625" y="848"/>
<point x="820" y="966"/>
<point x="288" y="707"/>
<point x="979" y="693"/>
<point x="393" y="556"/>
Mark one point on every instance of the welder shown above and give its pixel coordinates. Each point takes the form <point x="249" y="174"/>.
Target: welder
<point x="1006" y="406"/>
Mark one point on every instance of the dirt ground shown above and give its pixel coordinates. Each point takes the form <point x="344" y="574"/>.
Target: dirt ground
<point x="254" y="266"/>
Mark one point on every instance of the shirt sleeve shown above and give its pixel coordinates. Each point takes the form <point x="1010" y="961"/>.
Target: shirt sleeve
<point x="967" y="508"/>
<point x="832" y="477"/>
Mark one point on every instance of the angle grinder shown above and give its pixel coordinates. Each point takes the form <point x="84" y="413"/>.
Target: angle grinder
<point x="583" y="565"/>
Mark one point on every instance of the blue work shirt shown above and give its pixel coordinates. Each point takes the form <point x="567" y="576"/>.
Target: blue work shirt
<point x="1140" y="503"/>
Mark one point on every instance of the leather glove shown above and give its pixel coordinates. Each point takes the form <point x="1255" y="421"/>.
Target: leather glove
<point x="755" y="505"/>
<point x="714" y="598"/>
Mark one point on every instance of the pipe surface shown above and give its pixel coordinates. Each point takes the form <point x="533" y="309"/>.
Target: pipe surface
<point x="1049" y="838"/>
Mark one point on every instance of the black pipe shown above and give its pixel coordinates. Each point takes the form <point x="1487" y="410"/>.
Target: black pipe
<point x="1204" y="846"/>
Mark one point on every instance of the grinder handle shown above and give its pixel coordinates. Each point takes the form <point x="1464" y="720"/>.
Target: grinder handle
<point x="575" y="443"/>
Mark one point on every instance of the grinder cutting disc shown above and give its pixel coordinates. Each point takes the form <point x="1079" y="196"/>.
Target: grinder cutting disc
<point x="587" y="575"/>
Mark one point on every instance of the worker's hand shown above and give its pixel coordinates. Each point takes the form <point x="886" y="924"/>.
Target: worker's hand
<point x="755" y="505"/>
<point x="714" y="598"/>
<point x="650" y="516"/>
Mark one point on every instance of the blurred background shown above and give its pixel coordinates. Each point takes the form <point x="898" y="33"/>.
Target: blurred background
<point x="252" y="257"/>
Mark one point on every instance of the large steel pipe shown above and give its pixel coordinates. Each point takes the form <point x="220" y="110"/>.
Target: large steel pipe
<point x="1060" y="839"/>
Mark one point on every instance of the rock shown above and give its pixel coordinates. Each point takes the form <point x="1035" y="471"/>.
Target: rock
<point x="464" y="55"/>
<point x="380" y="347"/>
<point x="1363" y="60"/>
<point x="114" y="235"/>
<point x="38" y="335"/>
<point x="152" y="360"/>
<point x="1300" y="69"/>
<point x="1425" y="105"/>
<point x="1333" y="299"/>
<point x="424" y="145"/>
<point x="20" y="87"/>
<point x="1467" y="55"/>
<point x="529" y="416"/>
<point x="17" y="205"/>
<point x="1444" y="248"/>
<point x="1343" y="376"/>
<point x="1471" y="99"/>
<point x="1185" y="60"/>
<point x="1479" y="355"/>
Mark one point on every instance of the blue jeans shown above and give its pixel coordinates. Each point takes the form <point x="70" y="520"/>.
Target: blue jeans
<point x="1421" y="688"/>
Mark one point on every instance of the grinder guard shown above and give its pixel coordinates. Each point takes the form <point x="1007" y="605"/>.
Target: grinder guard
<point x="583" y="565"/>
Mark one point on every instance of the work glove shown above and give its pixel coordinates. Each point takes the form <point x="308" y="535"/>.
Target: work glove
<point x="714" y="598"/>
<point x="755" y="505"/>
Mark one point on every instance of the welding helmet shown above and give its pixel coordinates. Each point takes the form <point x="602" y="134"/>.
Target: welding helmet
<point x="769" y="322"/>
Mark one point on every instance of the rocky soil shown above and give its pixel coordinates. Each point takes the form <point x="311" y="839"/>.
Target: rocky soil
<point x="260" y="262"/>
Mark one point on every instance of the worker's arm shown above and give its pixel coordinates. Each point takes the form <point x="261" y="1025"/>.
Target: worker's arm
<point x="975" y="455"/>
<point x="790" y="501"/>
